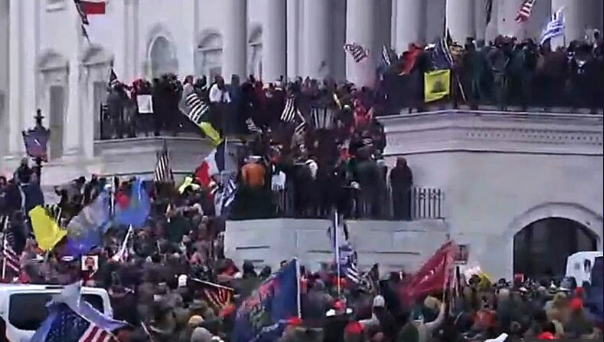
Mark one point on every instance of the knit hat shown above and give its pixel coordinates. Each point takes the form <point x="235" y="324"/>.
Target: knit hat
<point x="379" y="302"/>
<point x="195" y="320"/>
<point x="201" y="335"/>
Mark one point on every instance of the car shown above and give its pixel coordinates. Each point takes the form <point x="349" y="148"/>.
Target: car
<point x="23" y="306"/>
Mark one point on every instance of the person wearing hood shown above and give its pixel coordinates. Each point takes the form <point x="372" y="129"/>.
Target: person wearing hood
<point x="387" y="322"/>
<point x="577" y="325"/>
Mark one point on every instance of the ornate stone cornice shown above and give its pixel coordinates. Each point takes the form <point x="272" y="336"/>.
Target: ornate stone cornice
<point x="494" y="132"/>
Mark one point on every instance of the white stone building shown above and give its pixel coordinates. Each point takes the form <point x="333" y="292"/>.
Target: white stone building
<point x="45" y="63"/>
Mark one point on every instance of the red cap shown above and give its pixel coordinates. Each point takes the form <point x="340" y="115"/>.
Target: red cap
<point x="353" y="328"/>
<point x="294" y="321"/>
<point x="579" y="291"/>
<point x="576" y="304"/>
<point x="339" y="305"/>
<point x="546" y="335"/>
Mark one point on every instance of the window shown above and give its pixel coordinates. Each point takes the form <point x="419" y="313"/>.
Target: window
<point x="55" y="5"/>
<point x="209" y="56"/>
<point x="36" y="312"/>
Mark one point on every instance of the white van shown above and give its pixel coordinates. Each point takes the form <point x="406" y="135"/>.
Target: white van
<point x="23" y="307"/>
<point x="580" y="266"/>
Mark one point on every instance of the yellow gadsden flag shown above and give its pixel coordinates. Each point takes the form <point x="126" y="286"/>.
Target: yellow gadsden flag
<point x="47" y="231"/>
<point x="437" y="85"/>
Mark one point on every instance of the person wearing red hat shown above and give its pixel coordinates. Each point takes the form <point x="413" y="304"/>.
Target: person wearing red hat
<point x="546" y="335"/>
<point x="578" y="325"/>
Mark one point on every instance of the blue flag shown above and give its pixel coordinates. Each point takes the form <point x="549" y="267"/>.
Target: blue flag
<point x="71" y="323"/>
<point x="137" y="209"/>
<point x="263" y="316"/>
<point x="85" y="231"/>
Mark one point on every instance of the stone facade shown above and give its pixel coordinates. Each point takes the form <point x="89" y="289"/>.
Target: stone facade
<point x="503" y="171"/>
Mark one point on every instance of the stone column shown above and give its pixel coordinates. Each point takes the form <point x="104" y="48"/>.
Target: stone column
<point x="23" y="71"/>
<point x="235" y="45"/>
<point x="360" y="28"/>
<point x="274" y="49"/>
<point x="460" y="19"/>
<point x="293" y="38"/>
<point x="580" y="15"/>
<point x="410" y="23"/>
<point x="316" y="45"/>
<point x="73" y="140"/>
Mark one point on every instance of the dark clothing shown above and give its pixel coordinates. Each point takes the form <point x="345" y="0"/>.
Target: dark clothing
<point x="401" y="179"/>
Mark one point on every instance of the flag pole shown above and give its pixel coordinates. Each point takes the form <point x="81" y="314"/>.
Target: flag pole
<point x="336" y="224"/>
<point x="4" y="255"/>
<point x="298" y="295"/>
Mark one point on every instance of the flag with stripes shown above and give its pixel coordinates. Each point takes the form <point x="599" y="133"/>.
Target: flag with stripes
<point x="357" y="52"/>
<point x="525" y="11"/>
<point x="196" y="109"/>
<point x="488" y="11"/>
<point x="345" y="255"/>
<point x="113" y="80"/>
<point x="386" y="56"/>
<point x="291" y="114"/>
<point x="55" y="212"/>
<point x="365" y="68"/>
<point x="252" y="127"/>
<point x="555" y="27"/>
<point x="225" y="193"/>
<point x="65" y="324"/>
<point x="163" y="172"/>
<point x="217" y="296"/>
<point x="369" y="281"/>
<point x="11" y="266"/>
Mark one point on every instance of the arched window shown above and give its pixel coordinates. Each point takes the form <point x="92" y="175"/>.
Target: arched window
<point x="163" y="57"/>
<point x="255" y="53"/>
<point x="542" y="247"/>
<point x="209" y="56"/>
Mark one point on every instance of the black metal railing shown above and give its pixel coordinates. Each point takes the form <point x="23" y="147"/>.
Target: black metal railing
<point x="416" y="204"/>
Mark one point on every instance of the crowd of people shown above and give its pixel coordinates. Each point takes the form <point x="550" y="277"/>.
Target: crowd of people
<point x="162" y="258"/>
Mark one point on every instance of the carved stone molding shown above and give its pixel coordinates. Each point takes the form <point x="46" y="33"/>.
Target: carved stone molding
<point x="514" y="132"/>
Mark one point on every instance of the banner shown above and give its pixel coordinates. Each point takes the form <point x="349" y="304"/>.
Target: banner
<point x="145" y="104"/>
<point x="263" y="316"/>
<point x="437" y="85"/>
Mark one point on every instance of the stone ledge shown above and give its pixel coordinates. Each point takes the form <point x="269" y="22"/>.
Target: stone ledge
<point x="394" y="245"/>
<point x="501" y="132"/>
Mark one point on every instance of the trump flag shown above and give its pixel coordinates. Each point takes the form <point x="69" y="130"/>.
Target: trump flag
<point x="263" y="316"/>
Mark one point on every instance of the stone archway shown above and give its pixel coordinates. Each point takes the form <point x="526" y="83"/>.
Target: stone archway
<point x="575" y="216"/>
<point x="542" y="247"/>
<point x="162" y="57"/>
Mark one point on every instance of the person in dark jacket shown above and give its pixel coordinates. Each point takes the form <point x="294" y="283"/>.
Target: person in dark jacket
<point x="387" y="322"/>
<point x="401" y="180"/>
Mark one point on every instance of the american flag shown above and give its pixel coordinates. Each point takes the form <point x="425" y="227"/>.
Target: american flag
<point x="224" y="194"/>
<point x="291" y="114"/>
<point x="386" y="56"/>
<point x="163" y="172"/>
<point x="489" y="11"/>
<point x="10" y="256"/>
<point x="113" y="80"/>
<point x="525" y="11"/>
<point x="70" y="326"/>
<point x="218" y="296"/>
<point x="357" y="52"/>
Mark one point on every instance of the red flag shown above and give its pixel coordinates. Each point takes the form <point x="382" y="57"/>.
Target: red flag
<point x="93" y="7"/>
<point x="432" y="276"/>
